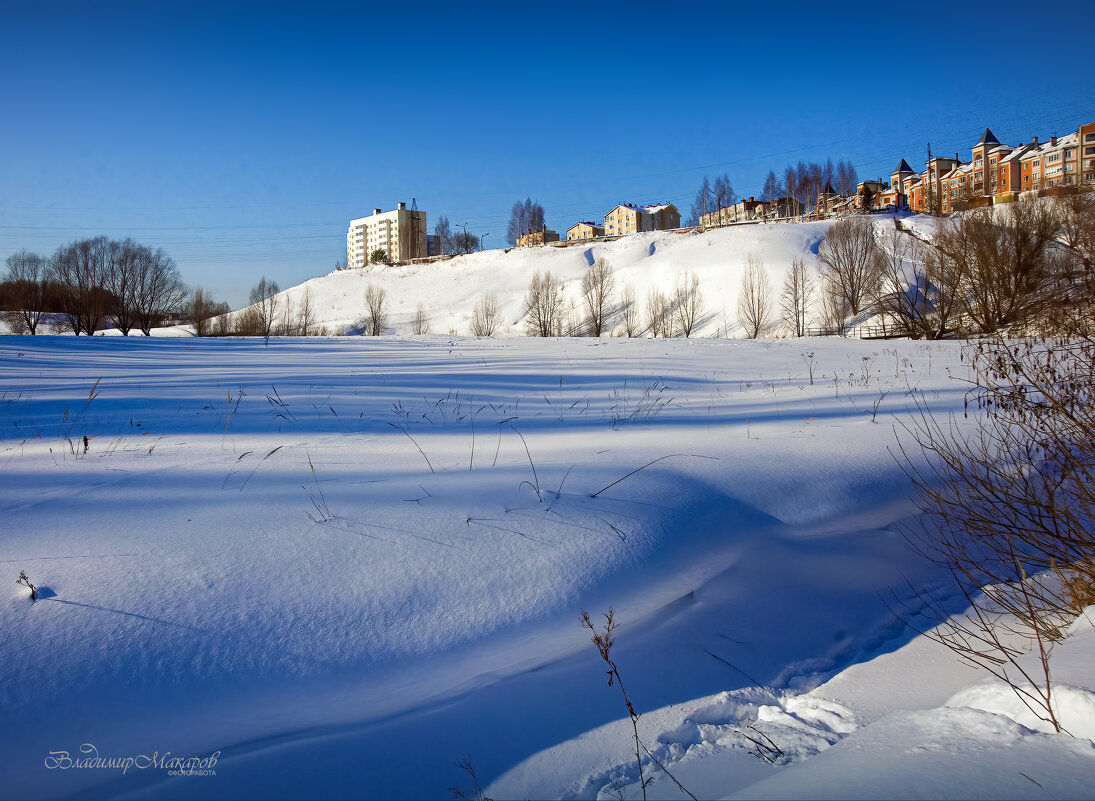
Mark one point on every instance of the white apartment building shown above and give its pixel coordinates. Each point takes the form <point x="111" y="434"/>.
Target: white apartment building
<point x="400" y="233"/>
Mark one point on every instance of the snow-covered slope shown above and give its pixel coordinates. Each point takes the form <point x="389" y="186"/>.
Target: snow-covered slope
<point x="448" y="290"/>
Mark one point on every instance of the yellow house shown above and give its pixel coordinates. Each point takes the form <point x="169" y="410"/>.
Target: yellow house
<point x="626" y="218"/>
<point x="585" y="230"/>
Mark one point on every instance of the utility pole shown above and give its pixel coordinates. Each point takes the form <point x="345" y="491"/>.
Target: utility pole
<point x="483" y="241"/>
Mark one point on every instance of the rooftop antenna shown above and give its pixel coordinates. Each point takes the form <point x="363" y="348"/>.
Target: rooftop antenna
<point x="414" y="204"/>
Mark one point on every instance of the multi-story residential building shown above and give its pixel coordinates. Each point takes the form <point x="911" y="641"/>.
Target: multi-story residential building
<point x="627" y="218"/>
<point x="623" y="219"/>
<point x="1068" y="161"/>
<point x="533" y="238"/>
<point x="998" y="173"/>
<point x="751" y="210"/>
<point x="927" y="195"/>
<point x="900" y="181"/>
<point x="1009" y="172"/>
<point x="875" y="190"/>
<point x="827" y="201"/>
<point x="585" y="230"/>
<point x="1086" y="135"/>
<point x="401" y="234"/>
<point x="662" y="217"/>
<point x="745" y="210"/>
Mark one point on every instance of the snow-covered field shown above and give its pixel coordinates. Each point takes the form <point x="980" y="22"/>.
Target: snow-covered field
<point x="344" y="565"/>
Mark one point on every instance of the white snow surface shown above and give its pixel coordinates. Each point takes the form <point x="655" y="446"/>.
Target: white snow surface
<point x="342" y="565"/>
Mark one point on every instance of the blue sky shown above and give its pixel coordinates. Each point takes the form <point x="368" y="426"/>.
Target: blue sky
<point x="242" y="137"/>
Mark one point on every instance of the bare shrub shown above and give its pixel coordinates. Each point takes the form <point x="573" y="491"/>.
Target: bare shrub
<point x="598" y="283"/>
<point x="1012" y="504"/>
<point x="544" y="306"/>
<point x="629" y="313"/>
<point x="686" y="303"/>
<point x="376" y="299"/>
<point x="485" y="316"/>
<point x="1076" y="214"/>
<point x="659" y="313"/>
<point x="755" y="299"/>
<point x="248" y="322"/>
<point x="26" y="583"/>
<point x="421" y="323"/>
<point x="261" y="316"/>
<point x="201" y="310"/>
<point x="797" y="297"/>
<point x="603" y="640"/>
<point x="306" y="315"/>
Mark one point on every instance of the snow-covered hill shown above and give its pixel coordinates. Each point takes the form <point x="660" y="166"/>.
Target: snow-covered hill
<point x="448" y="290"/>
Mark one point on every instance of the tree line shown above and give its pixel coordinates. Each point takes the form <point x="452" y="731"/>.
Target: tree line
<point x="92" y="282"/>
<point x="802" y="182"/>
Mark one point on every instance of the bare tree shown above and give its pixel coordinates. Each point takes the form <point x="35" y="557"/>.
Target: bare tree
<point x="263" y="308"/>
<point x="598" y="282"/>
<point x="687" y="302"/>
<point x="902" y="291"/>
<point x="703" y="203"/>
<point x="544" y="306"/>
<point x="1076" y="214"/>
<point x="850" y="265"/>
<point x="306" y="314"/>
<point x="846" y="178"/>
<point x="1002" y="263"/>
<point x="722" y="192"/>
<point x="158" y="291"/>
<point x="816" y="181"/>
<point x="659" y="318"/>
<point x="376" y="299"/>
<point x="525" y="218"/>
<point x="80" y="270"/>
<point x="918" y="296"/>
<point x="120" y="281"/>
<point x="201" y="309"/>
<point x="421" y="323"/>
<point x="486" y="316"/>
<point x="791" y="188"/>
<point x="755" y="299"/>
<point x="27" y="277"/>
<point x="443" y="231"/>
<point x="629" y="312"/>
<point x="463" y="242"/>
<point x="797" y="297"/>
<point x="772" y="188"/>
<point x="222" y="320"/>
